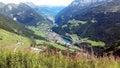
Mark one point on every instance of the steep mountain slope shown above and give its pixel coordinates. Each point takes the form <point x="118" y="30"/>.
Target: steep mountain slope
<point x="17" y="28"/>
<point x="48" y="11"/>
<point x="12" y="33"/>
<point x="76" y="8"/>
<point x="98" y="21"/>
<point x="10" y="40"/>
<point x="22" y="13"/>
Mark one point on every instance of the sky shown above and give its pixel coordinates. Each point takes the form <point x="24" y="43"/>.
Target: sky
<point x="41" y="2"/>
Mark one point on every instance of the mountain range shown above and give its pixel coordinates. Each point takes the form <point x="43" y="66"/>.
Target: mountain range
<point x="97" y="21"/>
<point x="23" y="14"/>
<point x="48" y="12"/>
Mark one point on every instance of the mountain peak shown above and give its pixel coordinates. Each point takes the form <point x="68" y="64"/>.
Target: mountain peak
<point x="76" y="2"/>
<point x="88" y="1"/>
<point x="30" y="4"/>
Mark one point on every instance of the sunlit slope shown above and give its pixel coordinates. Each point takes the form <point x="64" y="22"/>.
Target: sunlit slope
<point x="12" y="32"/>
<point x="17" y="28"/>
<point x="8" y="39"/>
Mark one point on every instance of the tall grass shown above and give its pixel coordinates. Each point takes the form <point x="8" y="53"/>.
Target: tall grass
<point x="30" y="59"/>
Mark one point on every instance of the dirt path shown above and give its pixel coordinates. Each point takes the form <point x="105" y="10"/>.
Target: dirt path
<point x="19" y="44"/>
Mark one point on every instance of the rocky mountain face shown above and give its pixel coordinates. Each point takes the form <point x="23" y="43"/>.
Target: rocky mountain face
<point x="98" y="20"/>
<point x="22" y="13"/>
<point x="76" y="8"/>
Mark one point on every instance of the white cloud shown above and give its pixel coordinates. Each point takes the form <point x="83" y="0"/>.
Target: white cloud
<point x="40" y="2"/>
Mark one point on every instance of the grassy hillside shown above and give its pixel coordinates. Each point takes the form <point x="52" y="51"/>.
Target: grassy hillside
<point x="11" y="39"/>
<point x="12" y="32"/>
<point x="51" y="60"/>
<point x="15" y="27"/>
<point x="12" y="26"/>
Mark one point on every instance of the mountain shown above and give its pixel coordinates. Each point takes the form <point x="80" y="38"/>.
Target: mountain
<point x="23" y="14"/>
<point x="30" y="4"/>
<point x="99" y="21"/>
<point x="17" y="28"/>
<point x="76" y="8"/>
<point x="1" y="4"/>
<point x="12" y="32"/>
<point x="48" y="11"/>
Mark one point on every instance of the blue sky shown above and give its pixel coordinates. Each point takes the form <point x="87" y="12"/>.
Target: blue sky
<point x="41" y="2"/>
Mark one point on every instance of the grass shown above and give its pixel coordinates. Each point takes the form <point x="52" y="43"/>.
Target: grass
<point x="37" y="31"/>
<point x="10" y="39"/>
<point x="93" y="43"/>
<point x="26" y="58"/>
<point x="52" y="44"/>
<point x="30" y="59"/>
<point x="76" y="22"/>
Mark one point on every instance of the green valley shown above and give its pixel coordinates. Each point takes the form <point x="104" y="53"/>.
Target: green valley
<point x="52" y="34"/>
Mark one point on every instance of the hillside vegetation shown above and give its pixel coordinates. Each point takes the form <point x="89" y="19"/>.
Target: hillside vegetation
<point x="46" y="60"/>
<point x="15" y="27"/>
<point x="101" y="20"/>
<point x="86" y="35"/>
<point x="8" y="39"/>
